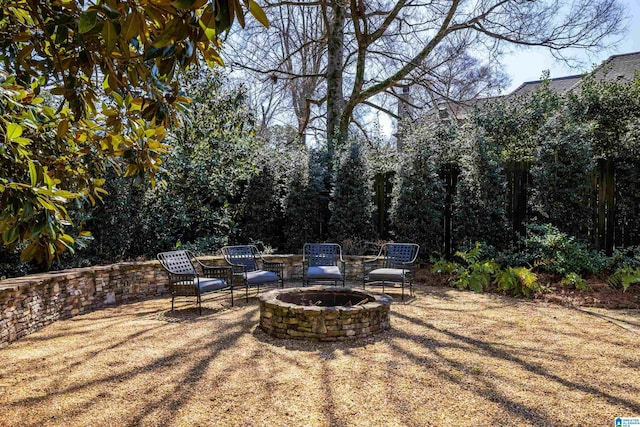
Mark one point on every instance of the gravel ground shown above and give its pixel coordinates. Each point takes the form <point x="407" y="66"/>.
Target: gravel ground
<point x="450" y="358"/>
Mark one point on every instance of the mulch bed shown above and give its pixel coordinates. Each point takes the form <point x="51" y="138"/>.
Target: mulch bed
<point x="601" y="294"/>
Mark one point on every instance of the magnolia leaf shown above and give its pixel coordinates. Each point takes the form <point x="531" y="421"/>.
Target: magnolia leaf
<point x="223" y="17"/>
<point x="164" y="38"/>
<point x="22" y="141"/>
<point x="63" y="127"/>
<point x="10" y="236"/>
<point x="87" y="21"/>
<point x="111" y="13"/>
<point x="66" y="238"/>
<point x="208" y="18"/>
<point x="110" y="37"/>
<point x="131" y="26"/>
<point x="183" y="4"/>
<point x="117" y="98"/>
<point x="131" y="170"/>
<point x="29" y="252"/>
<point x="258" y="13"/>
<point x="33" y="174"/>
<point x="25" y="53"/>
<point x="14" y="131"/>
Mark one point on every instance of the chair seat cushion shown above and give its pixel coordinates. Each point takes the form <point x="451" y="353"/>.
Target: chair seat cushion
<point x="210" y="284"/>
<point x="259" y="277"/>
<point x="390" y="274"/>
<point x="331" y="272"/>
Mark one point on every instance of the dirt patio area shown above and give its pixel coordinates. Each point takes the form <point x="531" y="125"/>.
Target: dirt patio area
<point x="450" y="358"/>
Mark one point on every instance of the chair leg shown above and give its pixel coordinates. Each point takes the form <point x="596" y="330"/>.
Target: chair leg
<point x="232" y="296"/>
<point x="173" y="297"/>
<point x="199" y="305"/>
<point x="246" y="292"/>
<point x="403" y="289"/>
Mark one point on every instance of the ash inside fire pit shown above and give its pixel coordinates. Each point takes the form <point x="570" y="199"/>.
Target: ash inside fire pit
<point x="325" y="313"/>
<point x="326" y="299"/>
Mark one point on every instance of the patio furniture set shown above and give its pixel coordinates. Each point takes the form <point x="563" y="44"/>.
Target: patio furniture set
<point x="246" y="267"/>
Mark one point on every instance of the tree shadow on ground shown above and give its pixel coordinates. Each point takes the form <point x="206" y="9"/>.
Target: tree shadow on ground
<point x="493" y="351"/>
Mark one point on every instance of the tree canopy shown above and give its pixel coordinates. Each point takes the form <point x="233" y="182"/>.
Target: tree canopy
<point x="89" y="85"/>
<point x="355" y="57"/>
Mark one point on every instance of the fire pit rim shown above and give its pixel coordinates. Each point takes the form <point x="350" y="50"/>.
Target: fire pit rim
<point x="379" y="299"/>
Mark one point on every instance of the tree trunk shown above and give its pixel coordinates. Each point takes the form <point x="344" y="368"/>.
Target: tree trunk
<point x="335" y="62"/>
<point x="606" y="205"/>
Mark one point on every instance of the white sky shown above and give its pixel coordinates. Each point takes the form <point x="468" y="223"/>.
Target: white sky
<point x="528" y="65"/>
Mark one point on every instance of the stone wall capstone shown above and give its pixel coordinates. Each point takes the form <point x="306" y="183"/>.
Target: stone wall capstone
<point x="31" y="302"/>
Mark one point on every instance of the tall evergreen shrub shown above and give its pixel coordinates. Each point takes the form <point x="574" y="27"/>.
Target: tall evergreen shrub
<point x="302" y="217"/>
<point x="261" y="214"/>
<point x="481" y="198"/>
<point x="561" y="186"/>
<point x="351" y="205"/>
<point x="418" y="201"/>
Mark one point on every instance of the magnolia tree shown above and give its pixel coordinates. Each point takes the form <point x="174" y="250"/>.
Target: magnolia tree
<point x="83" y="85"/>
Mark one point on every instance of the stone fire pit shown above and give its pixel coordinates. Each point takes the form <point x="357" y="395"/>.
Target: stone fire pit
<point x="325" y="313"/>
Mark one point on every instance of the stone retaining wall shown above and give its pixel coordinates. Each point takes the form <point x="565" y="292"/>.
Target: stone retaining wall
<point x="29" y="303"/>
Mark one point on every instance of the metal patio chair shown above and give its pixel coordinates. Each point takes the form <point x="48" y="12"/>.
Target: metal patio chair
<point x="185" y="280"/>
<point x="251" y="268"/>
<point x="395" y="263"/>
<point x="322" y="262"/>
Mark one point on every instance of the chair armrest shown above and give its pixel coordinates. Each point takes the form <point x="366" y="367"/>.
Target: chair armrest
<point x="274" y="267"/>
<point x="369" y="265"/>
<point x="181" y="277"/>
<point x="410" y="264"/>
<point x="218" y="272"/>
<point x="237" y="268"/>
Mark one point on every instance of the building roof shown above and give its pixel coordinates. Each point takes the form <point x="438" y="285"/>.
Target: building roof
<point x="619" y="67"/>
<point x="616" y="67"/>
<point x="559" y="84"/>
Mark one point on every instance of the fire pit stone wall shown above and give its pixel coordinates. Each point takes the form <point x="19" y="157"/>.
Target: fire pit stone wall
<point x="325" y="323"/>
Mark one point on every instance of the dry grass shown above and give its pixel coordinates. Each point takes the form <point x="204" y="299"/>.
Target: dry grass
<point x="450" y="358"/>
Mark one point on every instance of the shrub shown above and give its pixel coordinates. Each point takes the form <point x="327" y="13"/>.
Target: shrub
<point x="302" y="217"/>
<point x="629" y="255"/>
<point x="475" y="274"/>
<point x="560" y="187"/>
<point x="261" y="211"/>
<point x="575" y="281"/>
<point x="519" y="280"/>
<point x="553" y="251"/>
<point x="481" y="196"/>
<point x="417" y="201"/>
<point x="352" y="205"/>
<point x="624" y="277"/>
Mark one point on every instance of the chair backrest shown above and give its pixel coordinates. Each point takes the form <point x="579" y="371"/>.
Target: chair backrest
<point x="242" y="255"/>
<point x="322" y="253"/>
<point x="177" y="262"/>
<point x="397" y="254"/>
